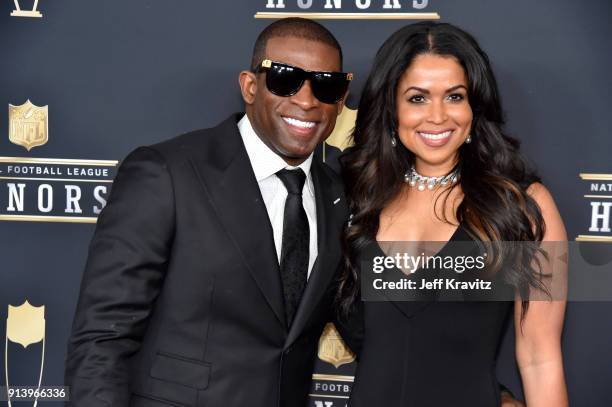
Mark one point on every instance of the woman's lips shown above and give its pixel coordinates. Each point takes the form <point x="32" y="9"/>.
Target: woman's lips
<point x="435" y="139"/>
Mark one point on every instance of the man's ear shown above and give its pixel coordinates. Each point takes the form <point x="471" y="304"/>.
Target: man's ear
<point x="342" y="101"/>
<point x="248" y="86"/>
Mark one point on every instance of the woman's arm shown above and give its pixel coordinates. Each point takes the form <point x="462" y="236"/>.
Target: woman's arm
<point x="538" y="335"/>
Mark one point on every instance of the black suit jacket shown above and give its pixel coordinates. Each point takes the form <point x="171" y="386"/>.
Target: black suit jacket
<point x="181" y="302"/>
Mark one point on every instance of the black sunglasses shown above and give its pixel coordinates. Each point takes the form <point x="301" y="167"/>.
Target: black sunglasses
<point x="286" y="80"/>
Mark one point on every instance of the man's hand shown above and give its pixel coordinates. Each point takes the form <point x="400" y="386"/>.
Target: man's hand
<point x="508" y="401"/>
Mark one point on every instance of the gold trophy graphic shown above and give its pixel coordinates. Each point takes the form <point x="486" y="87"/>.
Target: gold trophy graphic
<point x="28" y="125"/>
<point x="341" y="137"/>
<point x="25" y="325"/>
<point x="18" y="12"/>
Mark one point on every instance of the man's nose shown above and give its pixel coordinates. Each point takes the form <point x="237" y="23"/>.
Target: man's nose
<point x="304" y="98"/>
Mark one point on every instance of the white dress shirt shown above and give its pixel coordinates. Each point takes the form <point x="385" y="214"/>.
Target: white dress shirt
<point x="266" y="163"/>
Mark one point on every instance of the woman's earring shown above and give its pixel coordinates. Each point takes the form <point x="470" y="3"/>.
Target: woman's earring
<point x="393" y="140"/>
<point x="468" y="140"/>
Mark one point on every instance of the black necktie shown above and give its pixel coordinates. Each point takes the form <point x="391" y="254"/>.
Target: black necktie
<point x="295" y="243"/>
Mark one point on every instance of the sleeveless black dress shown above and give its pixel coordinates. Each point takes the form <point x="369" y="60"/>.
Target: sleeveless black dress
<point x="429" y="353"/>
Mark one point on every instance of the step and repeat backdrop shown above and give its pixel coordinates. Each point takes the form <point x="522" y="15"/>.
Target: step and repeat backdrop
<point x="84" y="82"/>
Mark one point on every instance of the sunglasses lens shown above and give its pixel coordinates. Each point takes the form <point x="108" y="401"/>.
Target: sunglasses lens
<point x="283" y="80"/>
<point x="329" y="87"/>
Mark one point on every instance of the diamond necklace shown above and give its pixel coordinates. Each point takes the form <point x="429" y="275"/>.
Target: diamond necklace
<point x="414" y="179"/>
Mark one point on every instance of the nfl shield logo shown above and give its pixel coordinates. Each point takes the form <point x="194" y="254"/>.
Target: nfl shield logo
<point x="332" y="348"/>
<point x="25" y="324"/>
<point x="28" y="125"/>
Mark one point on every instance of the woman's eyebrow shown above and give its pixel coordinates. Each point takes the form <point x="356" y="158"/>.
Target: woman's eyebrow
<point x="455" y="88"/>
<point x="426" y="91"/>
<point x="417" y="89"/>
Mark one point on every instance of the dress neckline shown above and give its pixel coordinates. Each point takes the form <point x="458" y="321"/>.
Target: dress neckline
<point x="442" y="249"/>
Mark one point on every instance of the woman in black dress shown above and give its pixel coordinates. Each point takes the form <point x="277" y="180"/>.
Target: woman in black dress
<point x="431" y="163"/>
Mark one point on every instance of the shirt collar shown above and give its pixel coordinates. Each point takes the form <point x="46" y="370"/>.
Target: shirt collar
<point x="264" y="161"/>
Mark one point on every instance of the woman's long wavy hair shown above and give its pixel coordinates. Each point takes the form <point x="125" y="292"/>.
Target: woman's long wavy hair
<point x="493" y="175"/>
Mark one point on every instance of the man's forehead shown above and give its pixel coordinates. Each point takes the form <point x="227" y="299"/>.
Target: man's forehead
<point x="304" y="53"/>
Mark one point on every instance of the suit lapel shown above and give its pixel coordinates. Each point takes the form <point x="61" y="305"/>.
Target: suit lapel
<point x="227" y="177"/>
<point x="328" y="215"/>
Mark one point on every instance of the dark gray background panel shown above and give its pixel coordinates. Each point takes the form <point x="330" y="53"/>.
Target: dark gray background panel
<point x="118" y="74"/>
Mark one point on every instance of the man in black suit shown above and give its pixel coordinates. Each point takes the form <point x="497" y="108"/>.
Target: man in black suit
<point x="207" y="282"/>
